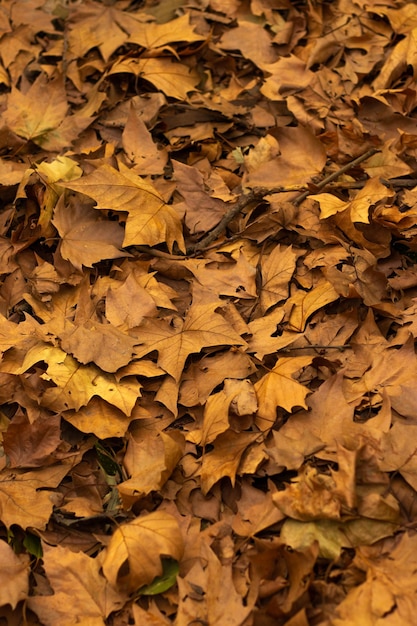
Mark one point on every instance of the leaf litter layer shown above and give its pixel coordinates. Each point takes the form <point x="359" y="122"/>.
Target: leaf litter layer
<point x="208" y="312"/>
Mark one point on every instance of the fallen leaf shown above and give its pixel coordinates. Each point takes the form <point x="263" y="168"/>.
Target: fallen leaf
<point x="140" y="544"/>
<point x="150" y="220"/>
<point x="14" y="576"/>
<point x="73" y="574"/>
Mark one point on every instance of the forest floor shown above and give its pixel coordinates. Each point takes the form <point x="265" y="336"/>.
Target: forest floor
<point x="208" y="307"/>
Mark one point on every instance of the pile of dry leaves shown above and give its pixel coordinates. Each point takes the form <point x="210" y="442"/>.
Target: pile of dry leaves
<point x="208" y="247"/>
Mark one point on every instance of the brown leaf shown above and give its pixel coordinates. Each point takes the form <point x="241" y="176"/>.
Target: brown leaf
<point x="150" y="220"/>
<point x="139" y="545"/>
<point x="224" y="460"/>
<point x="278" y="388"/>
<point x="75" y="575"/>
<point x="14" y="576"/>
<point x="26" y="498"/>
<point x="86" y="238"/>
<point x="202" y="327"/>
<point x="102" y="344"/>
<point x="218" y="602"/>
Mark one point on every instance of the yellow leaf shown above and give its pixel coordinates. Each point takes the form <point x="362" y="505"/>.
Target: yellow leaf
<point x="329" y="204"/>
<point x="24" y="496"/>
<point x="150" y="220"/>
<point x="149" y="466"/>
<point x="305" y="304"/>
<point x="103" y="344"/>
<point x="278" y="388"/>
<point x="172" y="78"/>
<point x="76" y="384"/>
<point x="151" y="35"/>
<point x="133" y="557"/>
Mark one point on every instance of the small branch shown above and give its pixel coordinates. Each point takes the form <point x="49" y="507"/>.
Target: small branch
<point x="236" y="208"/>
<point x="258" y="193"/>
<point x="336" y="174"/>
<point x="315" y="347"/>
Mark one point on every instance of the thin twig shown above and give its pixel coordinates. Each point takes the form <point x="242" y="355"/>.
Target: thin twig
<point x="236" y="208"/>
<point x="336" y="174"/>
<point x="259" y="193"/>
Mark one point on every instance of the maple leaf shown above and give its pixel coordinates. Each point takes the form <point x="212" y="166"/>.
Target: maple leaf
<point x="105" y="345"/>
<point x="225" y="458"/>
<point x="201" y="328"/>
<point x="220" y="592"/>
<point x="149" y="468"/>
<point x="289" y="167"/>
<point x="152" y="35"/>
<point x="140" y="544"/>
<point x="140" y="148"/>
<point x="150" y="220"/>
<point x="388" y="589"/>
<point x="99" y="417"/>
<point x="203" y="210"/>
<point x="303" y="305"/>
<point x="277" y="271"/>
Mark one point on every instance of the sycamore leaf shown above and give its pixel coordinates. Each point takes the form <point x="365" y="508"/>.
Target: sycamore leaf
<point x="149" y="466"/>
<point x="37" y="112"/>
<point x="305" y="304"/>
<point x="278" y="388"/>
<point x="103" y="344"/>
<point x="333" y="535"/>
<point x="277" y="270"/>
<point x="173" y="78"/>
<point x="387" y="593"/>
<point x="372" y="193"/>
<point x="140" y="147"/>
<point x="74" y="575"/>
<point x="76" y="384"/>
<point x="174" y="343"/>
<point x="24" y="496"/>
<point x="86" y="238"/>
<point x="150" y="220"/>
<point x="14" y="576"/>
<point x="219" y="602"/>
<point x="152" y="35"/>
<point x="133" y="556"/>
<point x="225" y="458"/>
<point x="99" y="417"/>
